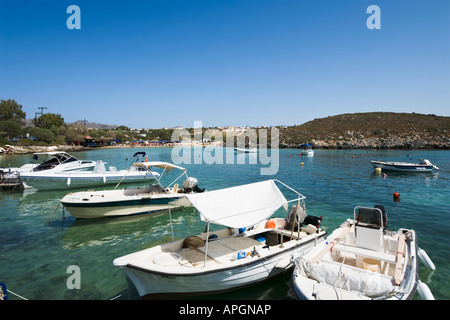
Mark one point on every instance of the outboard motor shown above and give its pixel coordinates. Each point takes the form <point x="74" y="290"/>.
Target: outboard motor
<point x="191" y="184"/>
<point x="315" y="221"/>
<point x="292" y="223"/>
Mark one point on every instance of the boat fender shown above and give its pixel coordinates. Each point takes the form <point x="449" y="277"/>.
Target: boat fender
<point x="3" y="292"/>
<point x="423" y="256"/>
<point x="270" y="224"/>
<point x="424" y="291"/>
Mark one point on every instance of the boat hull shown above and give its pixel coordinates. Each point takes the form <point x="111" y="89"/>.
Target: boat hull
<point x="117" y="206"/>
<point x="241" y="150"/>
<point x="152" y="282"/>
<point x="80" y="180"/>
<point x="307" y="153"/>
<point x="401" y="167"/>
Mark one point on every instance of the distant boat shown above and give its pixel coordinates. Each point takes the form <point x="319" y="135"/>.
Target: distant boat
<point x="422" y="166"/>
<point x="307" y="150"/>
<point x="81" y="174"/>
<point x="246" y="150"/>
<point x="361" y="260"/>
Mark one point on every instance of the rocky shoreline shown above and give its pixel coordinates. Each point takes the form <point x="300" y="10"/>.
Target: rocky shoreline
<point x="34" y="149"/>
<point x="370" y="143"/>
<point x="376" y="143"/>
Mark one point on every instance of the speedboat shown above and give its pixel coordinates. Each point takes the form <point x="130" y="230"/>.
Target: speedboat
<point x="245" y="150"/>
<point x="307" y="150"/>
<point x="362" y="260"/>
<point x="53" y="161"/>
<point x="93" y="174"/>
<point x="422" y="166"/>
<point x="251" y="249"/>
<point x="121" y="202"/>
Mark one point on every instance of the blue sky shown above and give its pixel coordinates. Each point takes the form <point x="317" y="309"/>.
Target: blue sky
<point x="164" y="63"/>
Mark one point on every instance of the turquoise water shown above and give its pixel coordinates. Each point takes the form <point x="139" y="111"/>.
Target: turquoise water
<point x="35" y="254"/>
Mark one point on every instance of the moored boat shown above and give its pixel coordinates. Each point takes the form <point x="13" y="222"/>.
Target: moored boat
<point x="92" y="174"/>
<point x="361" y="260"/>
<point x="307" y="150"/>
<point x="422" y="166"/>
<point x="129" y="201"/>
<point x="252" y="249"/>
<point x="245" y="150"/>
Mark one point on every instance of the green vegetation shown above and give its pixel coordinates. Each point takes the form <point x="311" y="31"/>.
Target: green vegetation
<point x="51" y="129"/>
<point x="356" y="130"/>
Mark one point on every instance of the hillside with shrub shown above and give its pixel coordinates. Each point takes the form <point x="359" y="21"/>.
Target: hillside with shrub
<point x="371" y="130"/>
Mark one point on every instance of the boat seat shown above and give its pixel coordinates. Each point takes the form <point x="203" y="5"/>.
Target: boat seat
<point x="389" y="258"/>
<point x="217" y="252"/>
<point x="370" y="223"/>
<point x="239" y="243"/>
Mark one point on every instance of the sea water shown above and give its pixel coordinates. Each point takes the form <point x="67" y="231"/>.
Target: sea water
<point x="40" y="243"/>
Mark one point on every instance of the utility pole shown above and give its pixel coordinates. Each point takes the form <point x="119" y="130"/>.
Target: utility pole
<point x="40" y="113"/>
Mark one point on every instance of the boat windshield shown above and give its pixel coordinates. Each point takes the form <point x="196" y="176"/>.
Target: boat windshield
<point x="55" y="159"/>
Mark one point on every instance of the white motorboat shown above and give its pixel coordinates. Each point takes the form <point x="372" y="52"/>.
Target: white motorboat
<point x="362" y="260"/>
<point x="246" y="150"/>
<point x="252" y="249"/>
<point x="422" y="166"/>
<point x="95" y="174"/>
<point x="307" y="150"/>
<point x="53" y="161"/>
<point x="96" y="204"/>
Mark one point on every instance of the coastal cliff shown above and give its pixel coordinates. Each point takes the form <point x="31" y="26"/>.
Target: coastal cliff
<point x="378" y="130"/>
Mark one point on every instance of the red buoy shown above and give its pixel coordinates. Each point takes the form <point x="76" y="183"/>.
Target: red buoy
<point x="396" y="197"/>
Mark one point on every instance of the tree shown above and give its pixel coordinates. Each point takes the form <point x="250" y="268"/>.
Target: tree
<point x="41" y="134"/>
<point x="11" y="110"/>
<point x="9" y="129"/>
<point x="122" y="128"/>
<point x="49" y="121"/>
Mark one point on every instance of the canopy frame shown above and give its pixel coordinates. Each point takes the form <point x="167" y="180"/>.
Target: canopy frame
<point x="299" y="199"/>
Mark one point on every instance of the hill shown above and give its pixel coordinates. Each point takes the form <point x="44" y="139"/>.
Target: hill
<point x="371" y="130"/>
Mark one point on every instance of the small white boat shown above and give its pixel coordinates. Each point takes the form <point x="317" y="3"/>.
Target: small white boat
<point x="307" y="150"/>
<point x="246" y="150"/>
<point x="86" y="174"/>
<point x="252" y="249"/>
<point x="422" y="166"/>
<point x="122" y="202"/>
<point x="361" y="260"/>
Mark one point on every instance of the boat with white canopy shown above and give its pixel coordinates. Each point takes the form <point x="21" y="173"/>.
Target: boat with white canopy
<point x="129" y="201"/>
<point x="361" y="260"/>
<point x="252" y="249"/>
